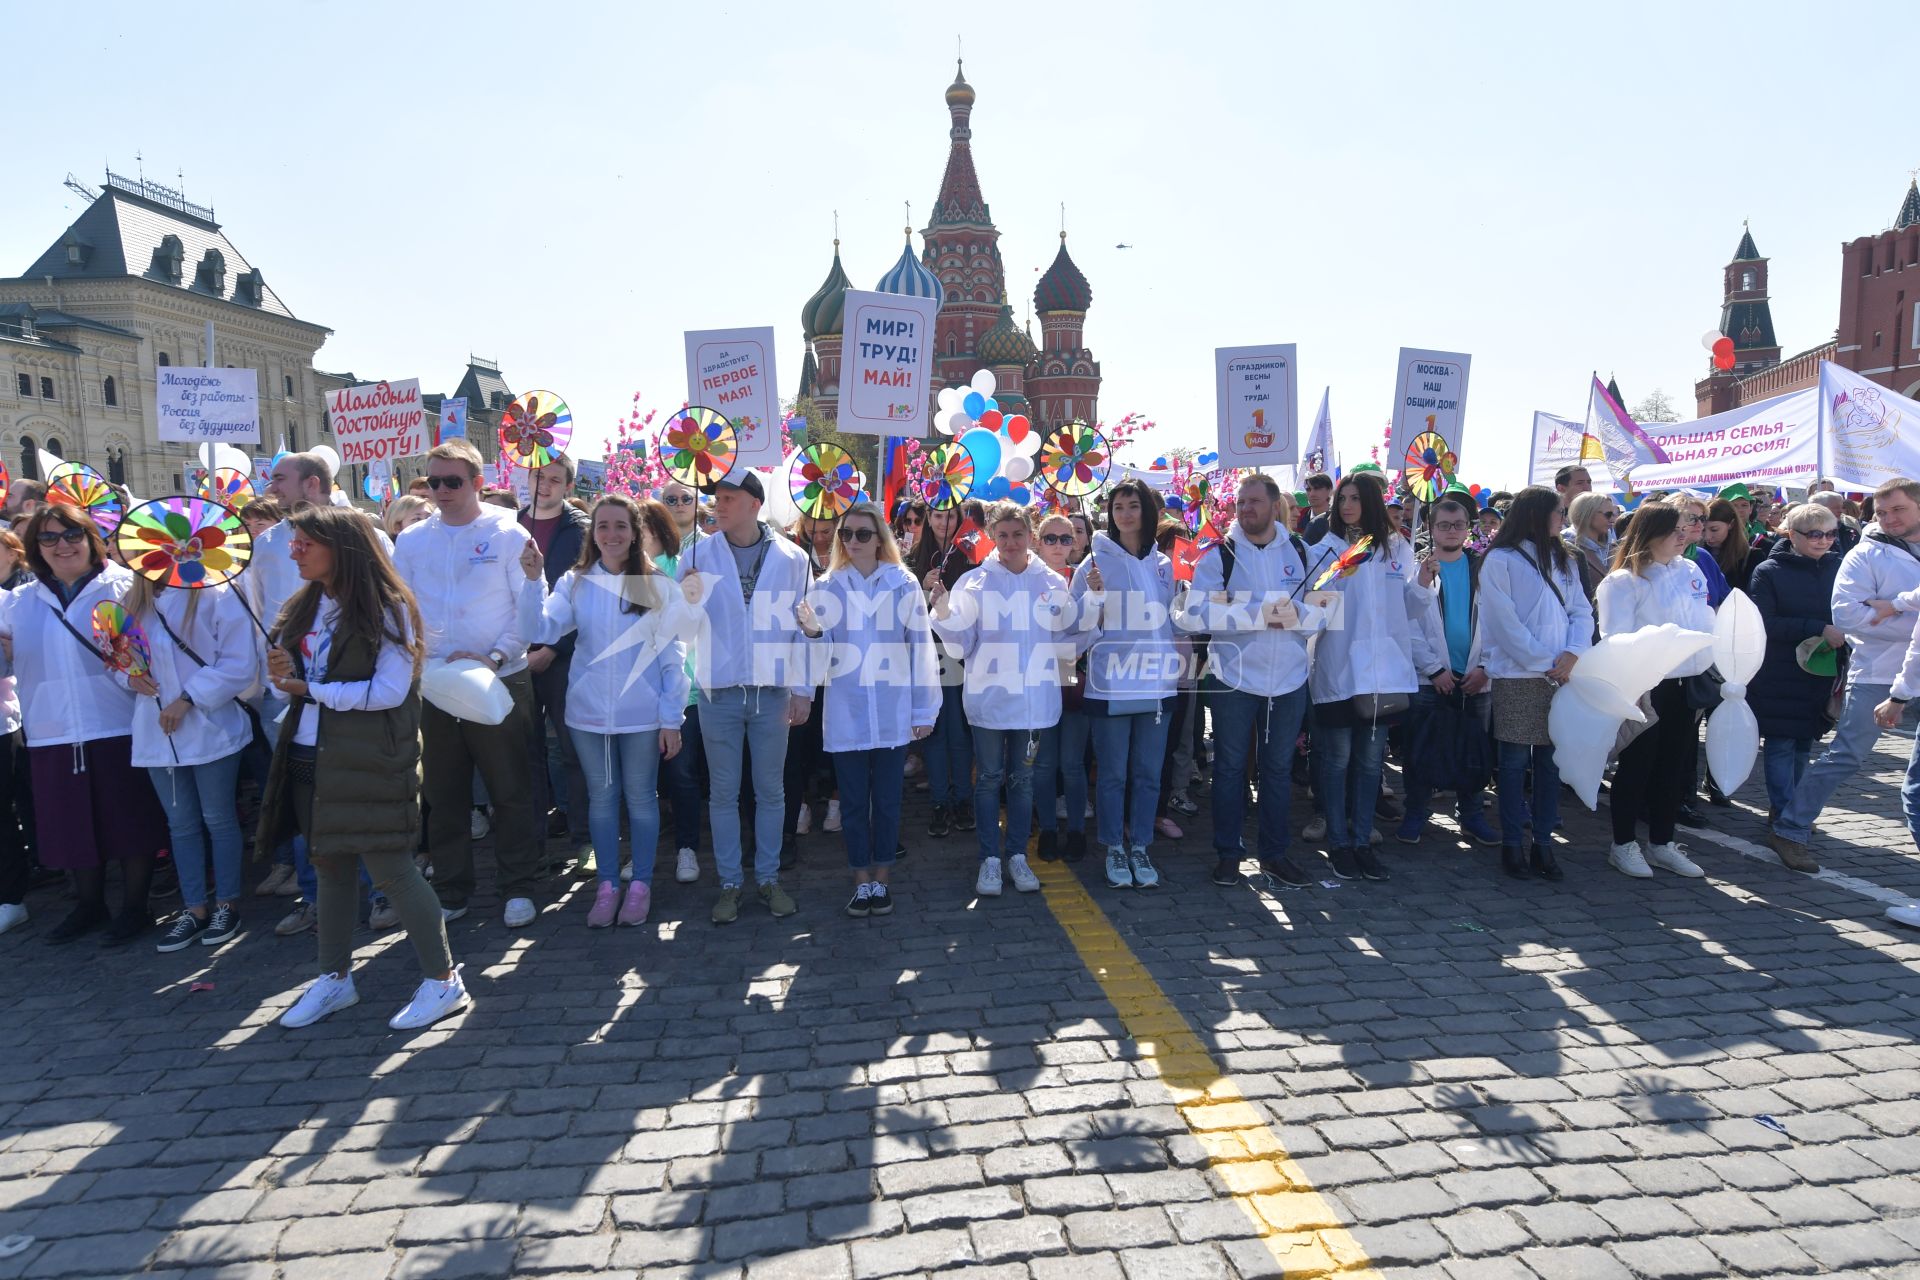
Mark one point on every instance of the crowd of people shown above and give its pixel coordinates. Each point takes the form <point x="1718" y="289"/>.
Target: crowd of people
<point x="676" y="667"/>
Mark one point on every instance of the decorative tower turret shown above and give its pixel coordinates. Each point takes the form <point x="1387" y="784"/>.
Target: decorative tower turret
<point x="1747" y="318"/>
<point x="821" y="319"/>
<point x="963" y="250"/>
<point x="1063" y="380"/>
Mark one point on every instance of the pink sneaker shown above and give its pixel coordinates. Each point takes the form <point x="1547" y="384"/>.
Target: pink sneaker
<point x="1168" y="828"/>
<point x="604" y="902"/>
<point x="634" y="909"/>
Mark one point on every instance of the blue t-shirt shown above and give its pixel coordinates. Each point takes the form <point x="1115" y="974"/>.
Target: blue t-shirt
<point x="1456" y="599"/>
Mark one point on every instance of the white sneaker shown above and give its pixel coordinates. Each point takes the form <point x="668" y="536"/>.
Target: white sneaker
<point x="519" y="913"/>
<point x="450" y="914"/>
<point x="11" y="914"/>
<point x="1373" y="837"/>
<point x="481" y="824"/>
<point x="1119" y="870"/>
<point x="1907" y="914"/>
<point x="1144" y="874"/>
<point x="689" y="869"/>
<point x="324" y="995"/>
<point x="1668" y="857"/>
<point x="1315" y="830"/>
<point x="1060" y="809"/>
<point x="1023" y="878"/>
<point x="626" y="871"/>
<point x="804" y="823"/>
<point x="988" y="883"/>
<point x="1628" y="860"/>
<point x="433" y="1001"/>
<point x="832" y="822"/>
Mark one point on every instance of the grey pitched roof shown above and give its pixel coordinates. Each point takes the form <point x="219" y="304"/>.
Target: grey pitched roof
<point x="1746" y="252"/>
<point x="118" y="235"/>
<point x="49" y="318"/>
<point x="481" y="380"/>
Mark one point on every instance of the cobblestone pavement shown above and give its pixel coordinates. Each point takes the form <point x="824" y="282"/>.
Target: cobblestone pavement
<point x="1449" y="1075"/>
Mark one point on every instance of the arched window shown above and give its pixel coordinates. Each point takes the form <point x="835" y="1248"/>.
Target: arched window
<point x="1746" y="281"/>
<point x="293" y="435"/>
<point x="289" y="384"/>
<point x="117" y="465"/>
<point x="162" y="360"/>
<point x="55" y="448"/>
<point x="109" y="393"/>
<point x="29" y="458"/>
<point x="951" y="345"/>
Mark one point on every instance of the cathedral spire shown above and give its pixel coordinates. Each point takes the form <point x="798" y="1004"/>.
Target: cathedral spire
<point x="960" y="200"/>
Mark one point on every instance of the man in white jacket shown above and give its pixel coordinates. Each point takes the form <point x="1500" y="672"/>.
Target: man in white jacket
<point x="1867" y="606"/>
<point x="464" y="567"/>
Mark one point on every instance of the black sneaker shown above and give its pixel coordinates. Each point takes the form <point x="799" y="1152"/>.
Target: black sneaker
<point x="180" y="934"/>
<point x="900" y="854"/>
<point x="1049" y="845"/>
<point x="1370" y="865"/>
<point x="1286" y="871"/>
<point x="880" y="901"/>
<point x="1226" y="872"/>
<point x="221" y="925"/>
<point x="127" y="927"/>
<point x="963" y="817"/>
<point x="1344" y="864"/>
<point x="1076" y="846"/>
<point x="1387" y="805"/>
<point x="862" y="901"/>
<point x="79" y="921"/>
<point x="939" y="824"/>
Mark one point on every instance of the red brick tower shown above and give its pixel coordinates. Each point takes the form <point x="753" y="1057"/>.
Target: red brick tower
<point x="963" y="250"/>
<point x="1879" y="335"/>
<point x="1747" y="318"/>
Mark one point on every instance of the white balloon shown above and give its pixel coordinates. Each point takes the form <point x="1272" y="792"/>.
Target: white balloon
<point x="955" y="422"/>
<point x="779" y="510"/>
<point x="984" y="383"/>
<point x="1739" y="647"/>
<point x="327" y="452"/>
<point x="1604" y="692"/>
<point x="1028" y="445"/>
<point x="1017" y="468"/>
<point x="949" y="399"/>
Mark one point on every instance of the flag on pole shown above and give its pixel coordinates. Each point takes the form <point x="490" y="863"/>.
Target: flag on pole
<point x="1319" y="450"/>
<point x="893" y="471"/>
<point x="1621" y="443"/>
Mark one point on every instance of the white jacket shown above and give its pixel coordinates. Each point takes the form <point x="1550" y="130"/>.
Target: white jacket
<point x="225" y="639"/>
<point x="1524" y="627"/>
<point x="467" y="579"/>
<point x="1876" y="570"/>
<point x="1132" y="657"/>
<point x="1017" y="633"/>
<point x="1675" y="592"/>
<point x="876" y="654"/>
<point x="1244" y="652"/>
<point x="734" y="650"/>
<point x="1382" y="639"/>
<point x="272" y="577"/>
<point x="629" y="671"/>
<point x="66" y="695"/>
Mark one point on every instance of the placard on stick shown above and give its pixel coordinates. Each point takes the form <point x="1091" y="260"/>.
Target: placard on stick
<point x="1257" y="394"/>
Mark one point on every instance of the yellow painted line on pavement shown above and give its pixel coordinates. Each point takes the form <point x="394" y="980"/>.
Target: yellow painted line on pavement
<point x="1302" y="1231"/>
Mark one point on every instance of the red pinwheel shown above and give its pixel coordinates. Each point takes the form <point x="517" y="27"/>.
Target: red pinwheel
<point x="1349" y="560"/>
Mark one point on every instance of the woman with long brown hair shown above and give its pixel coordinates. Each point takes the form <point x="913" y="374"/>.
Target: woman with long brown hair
<point x="347" y="651"/>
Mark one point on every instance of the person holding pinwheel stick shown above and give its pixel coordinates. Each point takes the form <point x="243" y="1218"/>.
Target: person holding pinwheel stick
<point x="92" y="805"/>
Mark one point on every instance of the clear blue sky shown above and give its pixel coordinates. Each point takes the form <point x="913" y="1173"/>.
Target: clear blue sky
<point x="567" y="187"/>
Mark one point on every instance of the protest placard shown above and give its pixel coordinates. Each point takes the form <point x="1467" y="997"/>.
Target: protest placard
<point x="383" y="420"/>
<point x="207" y="404"/>
<point x="453" y="418"/>
<point x="1429" y="394"/>
<point x="1256" y="398"/>
<point x="886" y="361"/>
<point x="731" y="371"/>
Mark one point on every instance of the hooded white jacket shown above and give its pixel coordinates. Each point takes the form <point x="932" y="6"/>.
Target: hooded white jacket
<point x="225" y="639"/>
<point x="467" y="579"/>
<point x="734" y="650"/>
<point x="629" y="670"/>
<point x="1245" y="653"/>
<point x="1876" y="570"/>
<point x="876" y="655"/>
<point x="1675" y="592"/>
<point x="66" y="694"/>
<point x="1017" y="633"/>
<point x="1524" y="627"/>
<point x="1132" y="657"/>
<point x="1383" y="638"/>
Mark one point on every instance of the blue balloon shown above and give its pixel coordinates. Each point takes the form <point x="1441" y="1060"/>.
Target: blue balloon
<point x="975" y="404"/>
<point x="984" y="446"/>
<point x="1021" y="494"/>
<point x="999" y="487"/>
<point x="989" y="405"/>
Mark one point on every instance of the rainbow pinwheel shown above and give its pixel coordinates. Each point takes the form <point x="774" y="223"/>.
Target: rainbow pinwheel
<point x="185" y="542"/>
<point x="1075" y="459"/>
<point x="6" y="483"/>
<point x="534" y="427"/>
<point x="229" y="487"/>
<point x="123" y="643"/>
<point x="87" y="489"/>
<point x="825" y="482"/>
<point x="1430" y="466"/>
<point x="698" y="447"/>
<point x="1350" y="559"/>
<point x="945" y="476"/>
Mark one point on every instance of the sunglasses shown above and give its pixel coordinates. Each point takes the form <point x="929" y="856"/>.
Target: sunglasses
<point x="1057" y="539"/>
<point x="684" y="501"/>
<point x="915" y="521"/>
<point x="857" y="535"/>
<point x="446" y="482"/>
<point x="1822" y="535"/>
<point x="54" y="537"/>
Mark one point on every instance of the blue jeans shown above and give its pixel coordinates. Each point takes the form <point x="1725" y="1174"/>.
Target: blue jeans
<point x="1852" y="741"/>
<point x="680" y="783"/>
<point x="197" y="796"/>
<point x="1785" y="761"/>
<point x="617" y="764"/>
<point x="1243" y="724"/>
<point x="1130" y="751"/>
<point x="1349" y="762"/>
<point x="1420" y="796"/>
<point x="1514" y="758"/>
<point x="949" y="751"/>
<point x="731" y="720"/>
<point x="1061" y="769"/>
<point x="1001" y="757"/>
<point x="870" y="787"/>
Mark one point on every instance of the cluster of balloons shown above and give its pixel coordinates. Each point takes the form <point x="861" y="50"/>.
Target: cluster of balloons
<point x="1002" y="446"/>
<point x="1721" y="346"/>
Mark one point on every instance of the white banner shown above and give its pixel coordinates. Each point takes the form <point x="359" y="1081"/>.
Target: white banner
<point x="207" y="404"/>
<point x="384" y="420"/>
<point x="886" y="364"/>
<point x="731" y="371"/>
<point x="1257" y="401"/>
<point x="1556" y="442"/>
<point x="1774" y="442"/>
<point x="1429" y="394"/>
<point x="1870" y="434"/>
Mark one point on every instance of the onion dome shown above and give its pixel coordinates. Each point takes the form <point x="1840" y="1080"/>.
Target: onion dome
<point x="1063" y="288"/>
<point x="959" y="93"/>
<point x="821" y="316"/>
<point x="1006" y="342"/>
<point x="911" y="277"/>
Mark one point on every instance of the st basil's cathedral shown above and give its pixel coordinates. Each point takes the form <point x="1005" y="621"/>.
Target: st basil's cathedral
<point x="1055" y="382"/>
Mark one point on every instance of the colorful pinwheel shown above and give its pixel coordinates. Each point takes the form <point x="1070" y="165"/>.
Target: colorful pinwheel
<point x="534" y="427"/>
<point x="698" y="447"/>
<point x="1075" y="459"/>
<point x="945" y="476"/>
<point x="1430" y="466"/>
<point x="124" y="644"/>
<point x="825" y="482"/>
<point x="185" y="542"/>
<point x="1350" y="559"/>
<point x="229" y="487"/>
<point x="83" y="487"/>
<point x="6" y="483"/>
